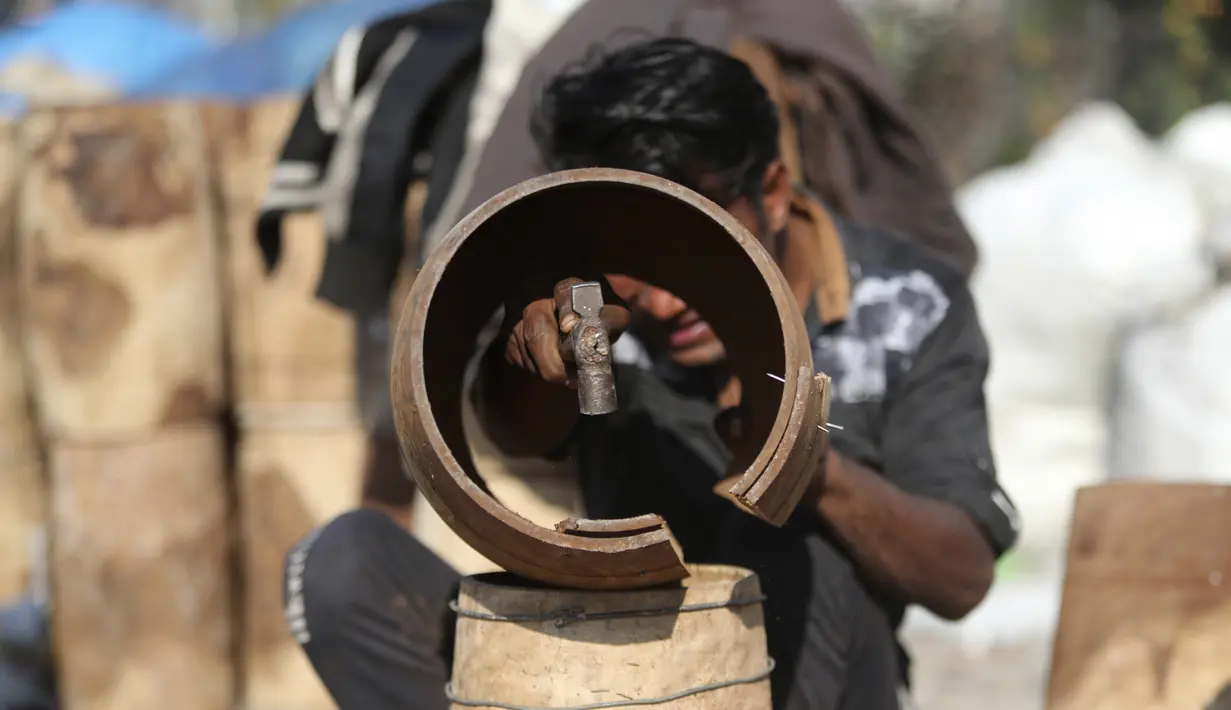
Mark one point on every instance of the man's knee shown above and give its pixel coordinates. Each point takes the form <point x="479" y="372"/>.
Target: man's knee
<point x="359" y="564"/>
<point x="325" y="567"/>
<point x="368" y="603"/>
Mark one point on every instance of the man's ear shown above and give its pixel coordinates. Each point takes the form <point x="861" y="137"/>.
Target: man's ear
<point x="777" y="191"/>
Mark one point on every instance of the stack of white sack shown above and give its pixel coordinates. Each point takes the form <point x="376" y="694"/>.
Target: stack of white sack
<point x="1096" y="232"/>
<point x="1173" y="419"/>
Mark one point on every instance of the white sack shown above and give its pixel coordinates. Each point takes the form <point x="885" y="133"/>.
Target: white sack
<point x="1173" y="420"/>
<point x="1201" y="144"/>
<point x="1096" y="230"/>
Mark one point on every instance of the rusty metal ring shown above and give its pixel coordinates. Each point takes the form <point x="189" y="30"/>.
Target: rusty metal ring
<point x="619" y="222"/>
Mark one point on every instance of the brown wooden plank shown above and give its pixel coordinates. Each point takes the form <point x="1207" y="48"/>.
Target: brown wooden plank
<point x="288" y="348"/>
<point x="119" y="269"/>
<point x="1146" y="617"/>
<point x="142" y="573"/>
<point x="290" y="482"/>
<point x="23" y="519"/>
<point x="22" y="488"/>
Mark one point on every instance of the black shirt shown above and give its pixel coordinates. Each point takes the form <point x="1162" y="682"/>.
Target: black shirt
<point x="908" y="367"/>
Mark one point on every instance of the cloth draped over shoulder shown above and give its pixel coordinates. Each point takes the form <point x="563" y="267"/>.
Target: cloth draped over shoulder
<point x="857" y="146"/>
<point x="389" y="110"/>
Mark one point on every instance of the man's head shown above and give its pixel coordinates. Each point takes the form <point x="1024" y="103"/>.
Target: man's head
<point x="685" y="112"/>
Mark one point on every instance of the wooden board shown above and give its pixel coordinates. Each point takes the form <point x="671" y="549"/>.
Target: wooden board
<point x="287" y="347"/>
<point x="120" y="273"/>
<point x="290" y="482"/>
<point x="17" y="441"/>
<point x="141" y="569"/>
<point x="22" y="489"/>
<point x="1146" y="617"/>
<point x="23" y="515"/>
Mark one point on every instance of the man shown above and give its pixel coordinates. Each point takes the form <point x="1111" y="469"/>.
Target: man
<point x="905" y="509"/>
<point x="860" y="147"/>
<point x="468" y="138"/>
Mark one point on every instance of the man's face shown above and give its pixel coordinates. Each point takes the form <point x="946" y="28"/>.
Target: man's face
<point x="667" y="324"/>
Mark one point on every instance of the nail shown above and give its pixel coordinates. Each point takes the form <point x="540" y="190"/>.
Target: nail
<point x="568" y="322"/>
<point x="775" y="377"/>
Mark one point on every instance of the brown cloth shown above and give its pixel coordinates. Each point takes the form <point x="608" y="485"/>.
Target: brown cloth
<point x="860" y="150"/>
<point x="833" y="277"/>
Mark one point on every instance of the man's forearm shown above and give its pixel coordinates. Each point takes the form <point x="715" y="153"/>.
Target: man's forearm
<point x="925" y="551"/>
<point x="522" y="414"/>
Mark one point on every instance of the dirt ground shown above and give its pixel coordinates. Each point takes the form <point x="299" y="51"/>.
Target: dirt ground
<point x="1007" y="676"/>
<point x="997" y="658"/>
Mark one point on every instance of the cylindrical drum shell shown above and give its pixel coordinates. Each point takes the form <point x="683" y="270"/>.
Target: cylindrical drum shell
<point x="700" y="643"/>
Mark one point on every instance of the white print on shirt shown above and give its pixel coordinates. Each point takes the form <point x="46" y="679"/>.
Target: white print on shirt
<point x="296" y="621"/>
<point x="888" y="315"/>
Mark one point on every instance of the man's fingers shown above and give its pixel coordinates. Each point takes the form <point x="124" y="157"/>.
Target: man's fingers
<point x="542" y="338"/>
<point x="564" y="304"/>
<point x="615" y="320"/>
<point x="512" y="352"/>
<point x="520" y="335"/>
<point x="535" y="341"/>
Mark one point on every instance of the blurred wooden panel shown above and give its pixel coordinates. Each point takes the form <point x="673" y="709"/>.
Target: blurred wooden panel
<point x="1146" y="616"/>
<point x="287" y="347"/>
<point x="291" y="481"/>
<point x="23" y="516"/>
<point x="16" y="426"/>
<point x="22" y="490"/>
<point x="141" y="565"/>
<point x="120" y="273"/>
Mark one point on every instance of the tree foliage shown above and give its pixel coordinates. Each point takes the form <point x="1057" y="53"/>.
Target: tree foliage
<point x="989" y="79"/>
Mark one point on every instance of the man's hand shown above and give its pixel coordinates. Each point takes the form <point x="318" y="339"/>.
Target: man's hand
<point x="536" y="341"/>
<point x="524" y="404"/>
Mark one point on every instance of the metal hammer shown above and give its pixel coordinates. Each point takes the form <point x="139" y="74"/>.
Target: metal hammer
<point x="591" y="348"/>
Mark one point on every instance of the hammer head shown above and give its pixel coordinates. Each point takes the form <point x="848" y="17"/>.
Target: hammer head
<point x="587" y="299"/>
<point x="591" y="343"/>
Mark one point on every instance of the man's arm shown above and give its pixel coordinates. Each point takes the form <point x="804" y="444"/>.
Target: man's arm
<point x="929" y="529"/>
<point x="927" y="551"/>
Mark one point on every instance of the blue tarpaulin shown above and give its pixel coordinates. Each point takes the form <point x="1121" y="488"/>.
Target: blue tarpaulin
<point x="119" y="45"/>
<point x="283" y="59"/>
<point x="124" y="45"/>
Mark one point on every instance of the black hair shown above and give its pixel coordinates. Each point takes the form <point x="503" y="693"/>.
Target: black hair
<point x="669" y="107"/>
